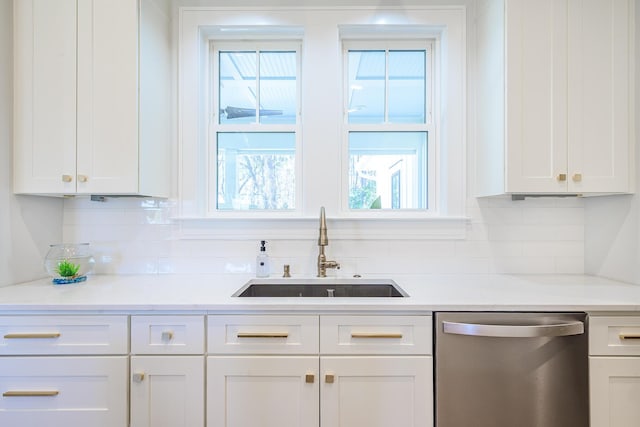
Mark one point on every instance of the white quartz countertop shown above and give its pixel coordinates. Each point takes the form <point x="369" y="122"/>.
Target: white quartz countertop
<point x="426" y="293"/>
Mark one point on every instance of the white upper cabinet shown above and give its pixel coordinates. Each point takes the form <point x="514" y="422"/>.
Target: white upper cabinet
<point x="554" y="102"/>
<point x="84" y="72"/>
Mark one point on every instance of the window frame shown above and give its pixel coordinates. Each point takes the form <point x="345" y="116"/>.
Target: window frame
<point x="396" y="42"/>
<point x="318" y="27"/>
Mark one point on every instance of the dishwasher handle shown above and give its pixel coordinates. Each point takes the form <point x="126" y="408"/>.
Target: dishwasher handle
<point x="514" y="331"/>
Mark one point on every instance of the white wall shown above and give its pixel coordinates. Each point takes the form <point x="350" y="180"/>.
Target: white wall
<point x="536" y="236"/>
<point x="612" y="232"/>
<point x="138" y="236"/>
<point x="27" y="224"/>
<point x="134" y="236"/>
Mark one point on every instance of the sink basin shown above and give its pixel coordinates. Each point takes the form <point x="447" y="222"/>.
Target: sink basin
<point x="339" y="288"/>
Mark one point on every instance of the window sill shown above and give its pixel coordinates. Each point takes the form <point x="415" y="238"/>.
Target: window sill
<point x="431" y="228"/>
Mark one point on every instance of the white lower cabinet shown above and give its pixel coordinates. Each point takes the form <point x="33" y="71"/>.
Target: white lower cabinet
<point x="63" y="391"/>
<point x="174" y="370"/>
<point x="266" y="391"/>
<point x="167" y="371"/>
<point x="61" y="371"/>
<point x="273" y="391"/>
<point x="615" y="391"/>
<point x="167" y="391"/>
<point x="614" y="371"/>
<point x="373" y="371"/>
<point x="376" y="391"/>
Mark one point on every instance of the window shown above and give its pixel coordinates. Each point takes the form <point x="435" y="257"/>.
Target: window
<point x="255" y="129"/>
<point x="389" y="123"/>
<point x="358" y="109"/>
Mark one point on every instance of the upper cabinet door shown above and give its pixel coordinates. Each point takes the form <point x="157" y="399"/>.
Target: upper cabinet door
<point x="565" y="123"/>
<point x="107" y="96"/>
<point x="600" y="95"/>
<point x="536" y="95"/>
<point x="44" y="96"/>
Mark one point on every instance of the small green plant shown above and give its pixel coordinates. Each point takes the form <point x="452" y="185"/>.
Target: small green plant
<point x="67" y="269"/>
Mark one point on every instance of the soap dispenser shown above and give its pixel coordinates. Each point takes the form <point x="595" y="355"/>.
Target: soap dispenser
<point x="263" y="266"/>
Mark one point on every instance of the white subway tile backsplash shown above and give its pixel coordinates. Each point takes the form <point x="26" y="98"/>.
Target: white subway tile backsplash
<point x="88" y="217"/>
<point x="570" y="265"/>
<point x="523" y="265"/>
<point x="421" y="248"/>
<point x="487" y="249"/>
<point x="558" y="249"/>
<point x="477" y="232"/>
<point x="139" y="236"/>
<point x="502" y="216"/>
<point x="553" y="216"/>
<point x="536" y="232"/>
<point x="128" y="265"/>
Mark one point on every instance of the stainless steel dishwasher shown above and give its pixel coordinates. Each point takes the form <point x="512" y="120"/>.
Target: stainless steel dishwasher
<point x="511" y="370"/>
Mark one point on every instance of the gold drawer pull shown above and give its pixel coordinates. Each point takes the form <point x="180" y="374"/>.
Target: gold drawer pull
<point x="166" y="336"/>
<point x="309" y="378"/>
<point x="329" y="378"/>
<point x="263" y="335"/>
<point x="20" y="393"/>
<point x="375" y="335"/>
<point x="33" y="335"/>
<point x="562" y="177"/>
<point x="629" y="336"/>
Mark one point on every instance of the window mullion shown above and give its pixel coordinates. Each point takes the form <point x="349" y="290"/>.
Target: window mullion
<point x="386" y="86"/>
<point x="257" y="86"/>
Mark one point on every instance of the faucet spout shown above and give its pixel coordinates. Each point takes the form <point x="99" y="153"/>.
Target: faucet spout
<point x="323" y="241"/>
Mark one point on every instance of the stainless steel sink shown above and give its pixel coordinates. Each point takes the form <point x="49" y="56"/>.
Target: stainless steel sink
<point x="322" y="287"/>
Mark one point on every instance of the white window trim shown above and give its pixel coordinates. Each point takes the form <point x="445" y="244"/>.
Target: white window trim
<point x="195" y="26"/>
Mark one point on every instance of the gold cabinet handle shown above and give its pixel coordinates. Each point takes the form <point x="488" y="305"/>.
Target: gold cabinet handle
<point x="329" y="378"/>
<point x="562" y="177"/>
<point x="629" y="336"/>
<point x="167" y="336"/>
<point x="375" y="335"/>
<point x="263" y="335"/>
<point x="577" y="177"/>
<point x="30" y="393"/>
<point x="309" y="378"/>
<point x="83" y="178"/>
<point x="67" y="178"/>
<point x="138" y="377"/>
<point x="32" y="335"/>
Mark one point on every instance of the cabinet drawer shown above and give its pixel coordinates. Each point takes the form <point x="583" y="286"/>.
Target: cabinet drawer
<point x="56" y="335"/>
<point x="263" y="334"/>
<point x="375" y="334"/>
<point x="63" y="391"/>
<point x="167" y="334"/>
<point x="615" y="335"/>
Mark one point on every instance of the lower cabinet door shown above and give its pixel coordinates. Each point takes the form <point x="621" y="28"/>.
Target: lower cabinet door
<point x="265" y="391"/>
<point x="63" y="391"/>
<point x="167" y="391"/>
<point x="376" y="391"/>
<point x="615" y="391"/>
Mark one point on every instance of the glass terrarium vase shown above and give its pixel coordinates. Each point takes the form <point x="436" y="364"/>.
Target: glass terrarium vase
<point x="69" y="262"/>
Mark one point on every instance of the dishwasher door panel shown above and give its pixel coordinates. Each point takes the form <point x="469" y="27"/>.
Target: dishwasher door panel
<point x="528" y="380"/>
